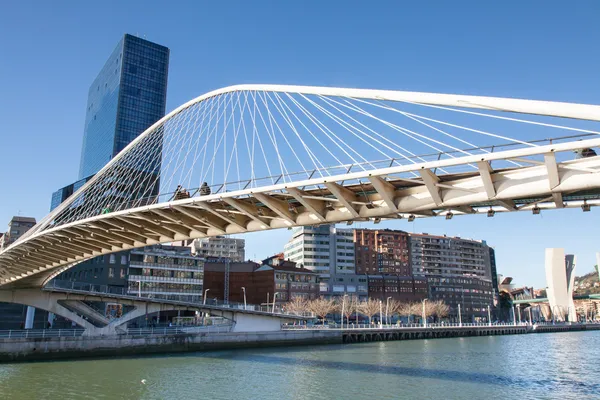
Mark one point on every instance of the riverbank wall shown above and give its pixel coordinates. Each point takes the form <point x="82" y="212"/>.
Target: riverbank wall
<point x="37" y="349"/>
<point x="55" y="348"/>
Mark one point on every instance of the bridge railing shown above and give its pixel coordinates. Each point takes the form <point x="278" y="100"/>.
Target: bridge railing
<point x="196" y="300"/>
<point x="85" y="288"/>
<point x="401" y="326"/>
<point x="39" y="333"/>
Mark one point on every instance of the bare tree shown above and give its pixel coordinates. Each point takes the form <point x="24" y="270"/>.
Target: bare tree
<point x="350" y="305"/>
<point x="416" y="309"/>
<point x="405" y="310"/>
<point x="321" y="307"/>
<point x="369" y="308"/>
<point x="393" y="308"/>
<point x="440" y="309"/>
<point x="297" y="305"/>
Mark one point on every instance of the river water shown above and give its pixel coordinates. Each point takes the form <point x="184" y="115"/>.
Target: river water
<point x="535" y="366"/>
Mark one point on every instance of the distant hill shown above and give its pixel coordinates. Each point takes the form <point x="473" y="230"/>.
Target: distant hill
<point x="588" y="284"/>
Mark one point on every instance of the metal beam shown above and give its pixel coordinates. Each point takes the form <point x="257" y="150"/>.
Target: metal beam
<point x="386" y="190"/>
<point x="178" y="219"/>
<point x="314" y="206"/>
<point x="279" y="207"/>
<point x="508" y="204"/>
<point x="552" y="168"/>
<point x="247" y="209"/>
<point x="485" y="171"/>
<point x="208" y="207"/>
<point x="344" y="195"/>
<point x="430" y="179"/>
<point x="169" y="234"/>
<point x="197" y="215"/>
<point x="558" y="200"/>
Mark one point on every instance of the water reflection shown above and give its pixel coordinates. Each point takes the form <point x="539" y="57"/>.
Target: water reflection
<point x="550" y="366"/>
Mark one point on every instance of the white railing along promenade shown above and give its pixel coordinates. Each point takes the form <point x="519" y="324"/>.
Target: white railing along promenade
<point x="193" y="300"/>
<point x="402" y="326"/>
<point x="431" y="325"/>
<point x="170" y="330"/>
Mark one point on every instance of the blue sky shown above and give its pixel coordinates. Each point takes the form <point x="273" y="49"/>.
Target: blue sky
<point x="51" y="51"/>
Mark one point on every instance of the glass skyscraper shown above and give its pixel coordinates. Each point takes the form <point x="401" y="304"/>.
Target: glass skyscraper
<point x="128" y="95"/>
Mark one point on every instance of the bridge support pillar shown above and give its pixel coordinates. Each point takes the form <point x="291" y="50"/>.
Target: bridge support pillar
<point x="255" y="323"/>
<point x="29" y="317"/>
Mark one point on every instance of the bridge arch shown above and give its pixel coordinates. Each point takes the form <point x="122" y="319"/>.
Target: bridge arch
<point x="255" y="157"/>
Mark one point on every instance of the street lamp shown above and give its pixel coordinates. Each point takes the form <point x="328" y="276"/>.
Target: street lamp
<point x="274" y="298"/>
<point x="387" y="306"/>
<point x="424" y="318"/>
<point x="459" y="316"/>
<point x="380" y="314"/>
<point x="489" y="316"/>
<point x="244" y="289"/>
<point x="204" y="300"/>
<point x="343" y="308"/>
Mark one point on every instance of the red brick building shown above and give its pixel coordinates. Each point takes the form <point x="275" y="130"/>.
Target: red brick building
<point x="401" y="288"/>
<point x="384" y="252"/>
<point x="260" y="281"/>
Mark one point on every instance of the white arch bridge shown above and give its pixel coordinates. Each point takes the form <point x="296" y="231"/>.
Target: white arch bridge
<point x="256" y="157"/>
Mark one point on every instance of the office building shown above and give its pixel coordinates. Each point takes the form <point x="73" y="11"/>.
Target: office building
<point x="63" y="193"/>
<point x="16" y="228"/>
<point x="328" y="251"/>
<point x="401" y="288"/>
<point x="128" y="96"/>
<point x="220" y="247"/>
<point x="163" y="271"/>
<point x="494" y="272"/>
<point x="458" y="271"/>
<point x="383" y="252"/>
<point x="16" y="316"/>
<point x="110" y="270"/>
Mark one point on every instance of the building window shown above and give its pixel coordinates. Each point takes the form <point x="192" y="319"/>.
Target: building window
<point x="122" y="273"/>
<point x="123" y="260"/>
<point x="111" y="272"/>
<point x="112" y="259"/>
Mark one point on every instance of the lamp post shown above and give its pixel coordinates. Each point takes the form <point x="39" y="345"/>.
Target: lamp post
<point x="387" y="306"/>
<point x="459" y="316"/>
<point x="530" y="319"/>
<point x="274" y="298"/>
<point x="489" y="316"/>
<point x="204" y="300"/>
<point x="343" y="308"/>
<point x="244" y="289"/>
<point x="380" y="314"/>
<point x="424" y="317"/>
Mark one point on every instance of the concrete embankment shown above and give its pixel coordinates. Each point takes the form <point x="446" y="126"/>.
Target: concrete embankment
<point x="36" y="349"/>
<point x="21" y="349"/>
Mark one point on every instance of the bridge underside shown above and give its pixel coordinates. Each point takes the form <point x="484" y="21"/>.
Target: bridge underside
<point x="537" y="185"/>
<point x="75" y="307"/>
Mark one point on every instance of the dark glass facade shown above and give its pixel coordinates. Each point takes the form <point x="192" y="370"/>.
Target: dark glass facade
<point x="63" y="193"/>
<point x="128" y="95"/>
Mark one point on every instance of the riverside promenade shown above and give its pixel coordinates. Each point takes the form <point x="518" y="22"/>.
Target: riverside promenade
<point x="51" y="344"/>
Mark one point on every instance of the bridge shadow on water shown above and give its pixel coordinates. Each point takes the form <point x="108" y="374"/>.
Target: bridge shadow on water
<point x="557" y="384"/>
